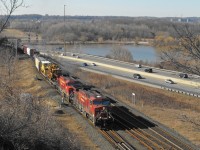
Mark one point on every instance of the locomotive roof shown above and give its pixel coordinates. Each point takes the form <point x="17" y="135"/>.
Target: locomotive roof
<point x="92" y="93"/>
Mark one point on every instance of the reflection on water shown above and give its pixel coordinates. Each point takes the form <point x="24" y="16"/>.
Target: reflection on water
<point x="144" y="53"/>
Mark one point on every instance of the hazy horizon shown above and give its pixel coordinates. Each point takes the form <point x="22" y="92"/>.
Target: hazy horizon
<point x="109" y="16"/>
<point x="129" y="8"/>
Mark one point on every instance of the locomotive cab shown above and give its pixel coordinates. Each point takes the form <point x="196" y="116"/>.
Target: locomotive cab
<point x="102" y="115"/>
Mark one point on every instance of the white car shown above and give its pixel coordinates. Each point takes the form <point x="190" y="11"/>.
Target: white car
<point x="138" y="65"/>
<point x="169" y="81"/>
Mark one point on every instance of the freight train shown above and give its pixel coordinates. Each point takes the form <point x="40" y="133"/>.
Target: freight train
<point x="89" y="101"/>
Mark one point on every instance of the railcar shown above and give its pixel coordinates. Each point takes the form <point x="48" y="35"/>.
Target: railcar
<point x="29" y="50"/>
<point x="47" y="68"/>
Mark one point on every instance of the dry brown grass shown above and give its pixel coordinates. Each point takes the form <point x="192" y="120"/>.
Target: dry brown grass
<point x="163" y="106"/>
<point x="13" y="33"/>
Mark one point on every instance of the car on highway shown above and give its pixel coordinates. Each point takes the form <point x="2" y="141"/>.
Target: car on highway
<point x="169" y="81"/>
<point x="137" y="76"/>
<point x="138" y="65"/>
<point x="84" y="64"/>
<point x="72" y="54"/>
<point x="77" y="56"/>
<point x="93" y="64"/>
<point x="150" y="70"/>
<point x="183" y="75"/>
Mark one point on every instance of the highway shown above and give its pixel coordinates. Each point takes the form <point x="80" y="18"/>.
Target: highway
<point x="125" y="71"/>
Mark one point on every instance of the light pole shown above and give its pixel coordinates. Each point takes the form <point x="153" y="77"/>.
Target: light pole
<point x="133" y="98"/>
<point x="64" y="32"/>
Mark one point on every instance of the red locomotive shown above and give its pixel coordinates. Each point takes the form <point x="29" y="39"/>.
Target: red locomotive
<point x="67" y="85"/>
<point x="93" y="105"/>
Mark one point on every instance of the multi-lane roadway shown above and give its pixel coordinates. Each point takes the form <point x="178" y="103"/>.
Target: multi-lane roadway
<point x="125" y="71"/>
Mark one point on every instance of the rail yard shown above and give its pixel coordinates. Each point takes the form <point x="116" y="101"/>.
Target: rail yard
<point x="121" y="127"/>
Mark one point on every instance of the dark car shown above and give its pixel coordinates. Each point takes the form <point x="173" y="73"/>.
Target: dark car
<point x="137" y="76"/>
<point x="183" y="75"/>
<point x="93" y="64"/>
<point x="150" y="70"/>
<point x="84" y="64"/>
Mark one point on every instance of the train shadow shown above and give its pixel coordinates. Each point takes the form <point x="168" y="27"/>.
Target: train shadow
<point x="126" y="120"/>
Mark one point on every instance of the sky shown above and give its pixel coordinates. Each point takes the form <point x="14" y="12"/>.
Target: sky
<point x="132" y="8"/>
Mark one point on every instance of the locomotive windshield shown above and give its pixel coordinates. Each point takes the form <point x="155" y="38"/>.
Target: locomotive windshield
<point x="105" y="102"/>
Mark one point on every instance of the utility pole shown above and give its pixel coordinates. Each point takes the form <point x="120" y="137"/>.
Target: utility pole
<point x="133" y="99"/>
<point x="29" y="37"/>
<point x="64" y="33"/>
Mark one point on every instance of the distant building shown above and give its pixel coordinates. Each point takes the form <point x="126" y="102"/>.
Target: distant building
<point x="185" y="20"/>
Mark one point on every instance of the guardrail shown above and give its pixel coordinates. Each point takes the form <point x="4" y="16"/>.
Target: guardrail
<point x="181" y="92"/>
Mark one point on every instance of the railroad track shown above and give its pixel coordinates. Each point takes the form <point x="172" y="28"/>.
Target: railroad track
<point x="147" y="141"/>
<point x="147" y="133"/>
<point x="119" y="142"/>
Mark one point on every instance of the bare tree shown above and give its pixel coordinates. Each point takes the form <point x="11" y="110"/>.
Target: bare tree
<point x="184" y="51"/>
<point x="121" y="53"/>
<point x="7" y="9"/>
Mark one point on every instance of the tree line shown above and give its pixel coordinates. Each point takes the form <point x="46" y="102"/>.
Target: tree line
<point x="98" y="29"/>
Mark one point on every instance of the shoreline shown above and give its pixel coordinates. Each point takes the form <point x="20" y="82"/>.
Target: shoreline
<point x="140" y="43"/>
